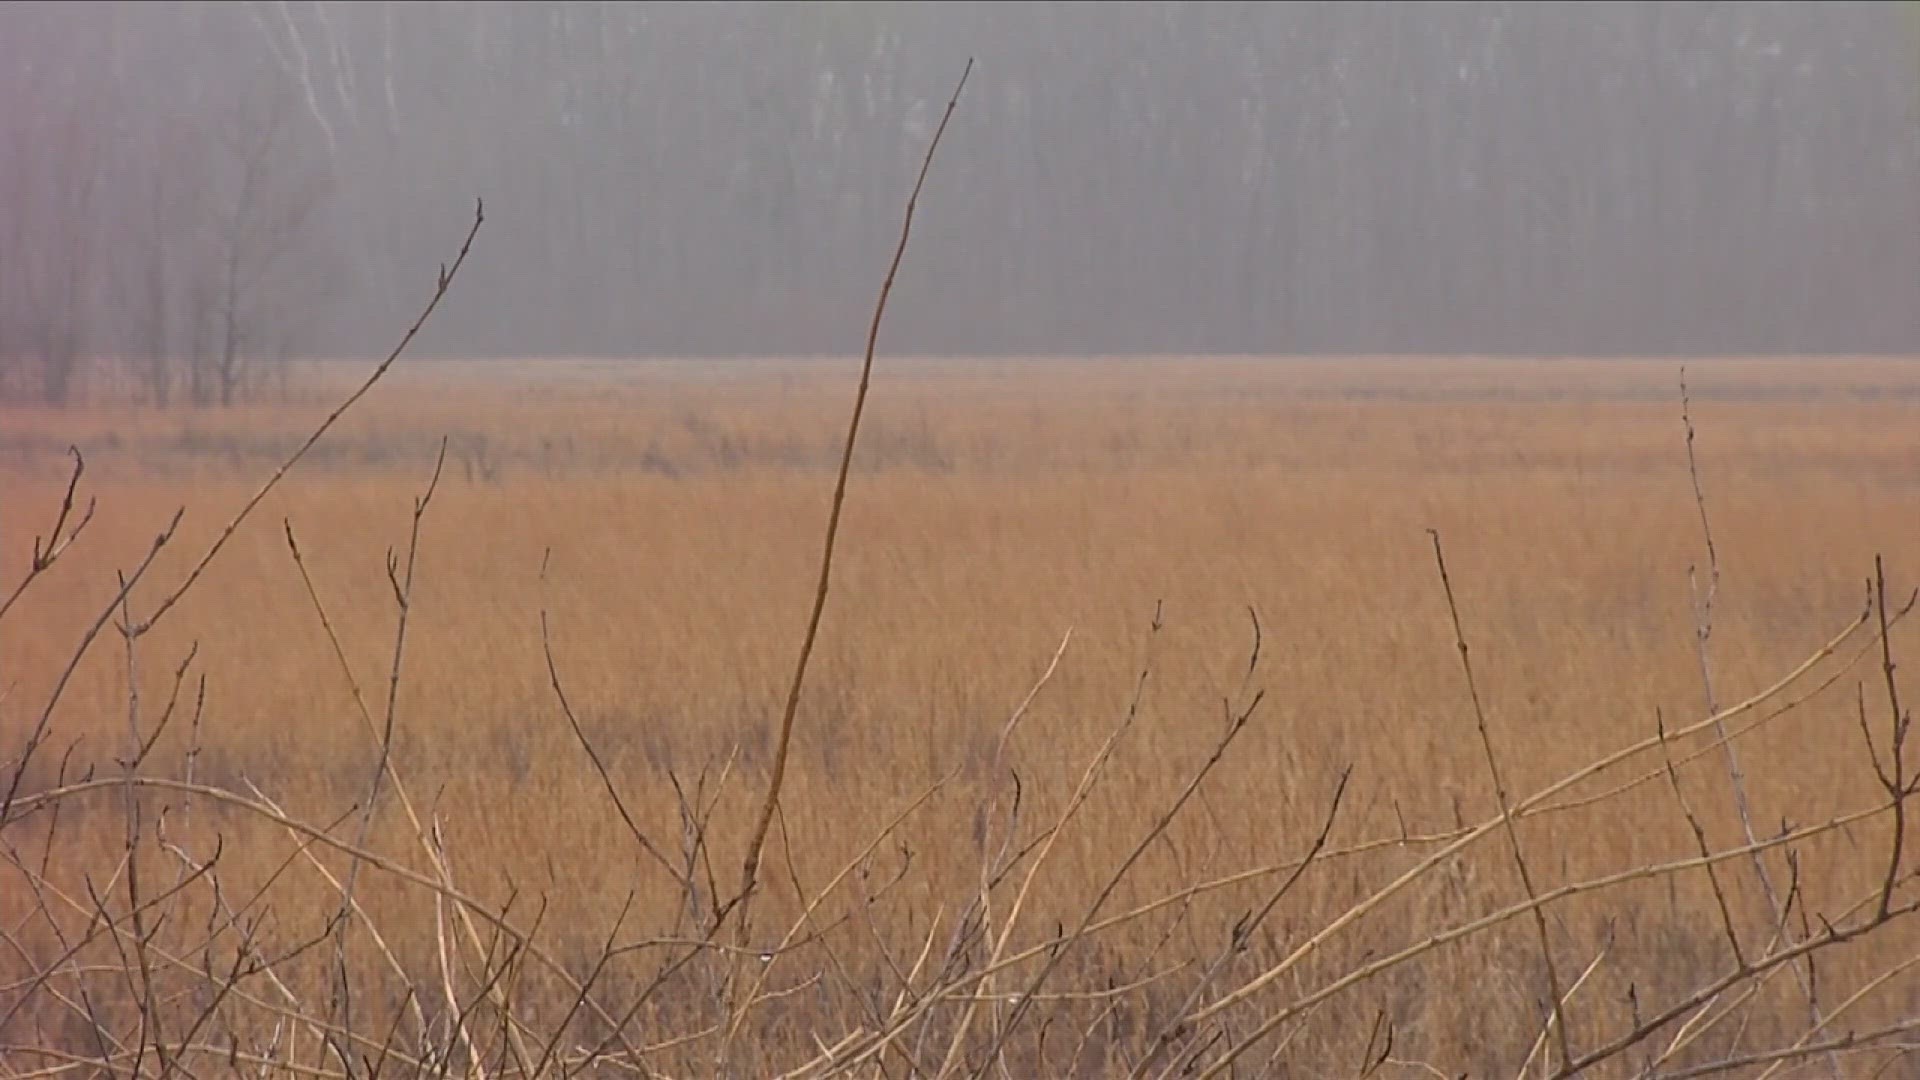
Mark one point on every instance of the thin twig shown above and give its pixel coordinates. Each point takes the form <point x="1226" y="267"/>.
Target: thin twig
<point x="403" y="595"/>
<point x="1858" y="1040"/>
<point x="1540" y="1041"/>
<point x="1700" y="842"/>
<point x="45" y="555"/>
<point x="442" y="283"/>
<point x="1898" y="786"/>
<point x="1506" y="807"/>
<point x="38" y="735"/>
<point x="750" y="867"/>
<point x="1242" y="932"/>
<point x="1474" y="834"/>
<point x="1088" y="778"/>
<point x="1703" y="635"/>
<point x="606" y="778"/>
<point x="1024" y="999"/>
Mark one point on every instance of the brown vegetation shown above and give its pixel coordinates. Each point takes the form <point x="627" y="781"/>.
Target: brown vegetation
<point x="992" y="510"/>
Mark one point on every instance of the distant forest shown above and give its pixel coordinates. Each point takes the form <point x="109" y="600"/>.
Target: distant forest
<point x="238" y="181"/>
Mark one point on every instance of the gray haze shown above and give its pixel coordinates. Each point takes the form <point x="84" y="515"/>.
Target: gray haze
<point x="260" y="179"/>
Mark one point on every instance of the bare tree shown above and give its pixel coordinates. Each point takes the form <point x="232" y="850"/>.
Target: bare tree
<point x="53" y="150"/>
<point x="153" y="288"/>
<point x="265" y="272"/>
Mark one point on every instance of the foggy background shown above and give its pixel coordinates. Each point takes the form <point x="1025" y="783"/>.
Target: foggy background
<point x="239" y="181"/>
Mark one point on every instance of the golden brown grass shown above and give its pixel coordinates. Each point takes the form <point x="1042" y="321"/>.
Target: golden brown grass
<point x="994" y="507"/>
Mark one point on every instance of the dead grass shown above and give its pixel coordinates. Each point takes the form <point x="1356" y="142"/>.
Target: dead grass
<point x="993" y="508"/>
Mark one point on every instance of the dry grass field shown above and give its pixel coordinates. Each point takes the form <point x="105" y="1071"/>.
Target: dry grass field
<point x="1136" y="510"/>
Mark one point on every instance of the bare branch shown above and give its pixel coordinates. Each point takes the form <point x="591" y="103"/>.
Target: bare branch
<point x="444" y="281"/>
<point x="343" y="987"/>
<point x="46" y="553"/>
<point x="606" y="778"/>
<point x="750" y="868"/>
<point x="1506" y="808"/>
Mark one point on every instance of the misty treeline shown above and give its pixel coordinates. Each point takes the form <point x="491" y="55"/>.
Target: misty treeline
<point x="192" y="189"/>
